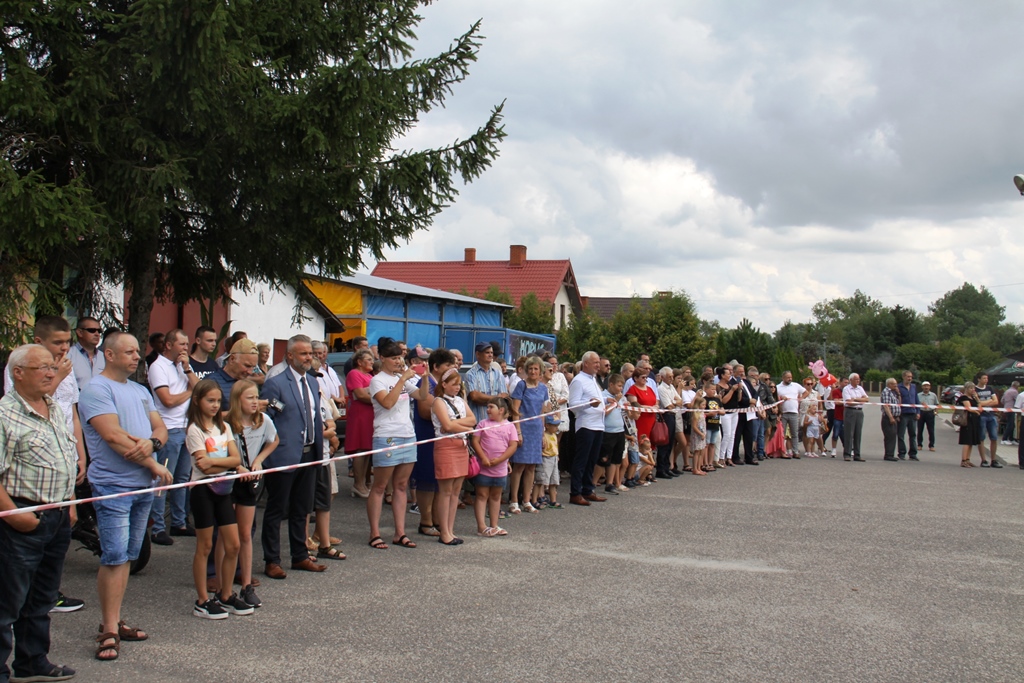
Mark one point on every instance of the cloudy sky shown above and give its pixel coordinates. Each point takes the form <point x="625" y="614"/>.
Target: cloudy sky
<point x="760" y="156"/>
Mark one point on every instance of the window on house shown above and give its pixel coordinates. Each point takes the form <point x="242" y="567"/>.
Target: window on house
<point x="561" y="316"/>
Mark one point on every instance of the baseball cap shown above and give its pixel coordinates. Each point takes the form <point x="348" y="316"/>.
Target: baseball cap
<point x="484" y="346"/>
<point x="552" y="420"/>
<point x="926" y="382"/>
<point x="244" y="347"/>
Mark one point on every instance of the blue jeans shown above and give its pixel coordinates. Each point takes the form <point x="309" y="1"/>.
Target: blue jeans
<point x="121" y="524"/>
<point x="588" y="449"/>
<point x="757" y="435"/>
<point x="179" y="463"/>
<point x="990" y="426"/>
<point x="30" y="575"/>
<point x="906" y="426"/>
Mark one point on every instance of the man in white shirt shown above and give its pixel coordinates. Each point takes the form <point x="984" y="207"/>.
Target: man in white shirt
<point x="854" y="397"/>
<point x="790" y="394"/>
<point x="171" y="380"/>
<point x="328" y="379"/>
<point x="588" y="406"/>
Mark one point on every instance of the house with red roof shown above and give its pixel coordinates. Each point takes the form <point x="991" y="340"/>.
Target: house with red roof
<point x="551" y="280"/>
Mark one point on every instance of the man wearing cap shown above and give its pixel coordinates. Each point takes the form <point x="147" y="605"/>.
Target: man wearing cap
<point x="484" y="380"/>
<point x="929" y="402"/>
<point x="38" y="465"/>
<point x="239" y="364"/>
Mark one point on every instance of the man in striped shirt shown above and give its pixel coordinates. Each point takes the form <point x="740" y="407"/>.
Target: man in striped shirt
<point x="38" y="465"/>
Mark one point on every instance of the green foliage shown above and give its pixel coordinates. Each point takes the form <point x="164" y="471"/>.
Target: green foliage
<point x="966" y="312"/>
<point x="747" y="344"/>
<point x="185" y="148"/>
<point x="531" y="315"/>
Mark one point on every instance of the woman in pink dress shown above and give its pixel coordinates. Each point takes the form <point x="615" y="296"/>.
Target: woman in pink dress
<point x="359" y="430"/>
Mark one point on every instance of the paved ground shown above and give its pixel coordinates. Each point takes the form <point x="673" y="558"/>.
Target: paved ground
<point x="792" y="571"/>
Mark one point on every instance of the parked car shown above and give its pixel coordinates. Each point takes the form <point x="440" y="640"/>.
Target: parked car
<point x="950" y="393"/>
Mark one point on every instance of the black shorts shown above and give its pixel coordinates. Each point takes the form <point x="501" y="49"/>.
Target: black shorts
<point x="322" y="493"/>
<point x="612" y="446"/>
<point x="242" y="493"/>
<point x="210" y="509"/>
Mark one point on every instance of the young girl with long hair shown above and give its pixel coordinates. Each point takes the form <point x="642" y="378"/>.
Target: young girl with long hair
<point x="698" y="436"/>
<point x="494" y="447"/>
<point x="450" y="415"/>
<point x="256" y="437"/>
<point x="212" y="445"/>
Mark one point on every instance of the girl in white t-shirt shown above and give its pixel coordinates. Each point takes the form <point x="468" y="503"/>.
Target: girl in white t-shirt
<point x="212" y="445"/>
<point x="256" y="437"/>
<point x="394" y="439"/>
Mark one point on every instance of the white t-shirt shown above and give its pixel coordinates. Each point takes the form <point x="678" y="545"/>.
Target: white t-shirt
<point x="166" y="373"/>
<point x="851" y="392"/>
<point x="214" y="442"/>
<point x="396" y="420"/>
<point x="458" y="413"/>
<point x="790" y="396"/>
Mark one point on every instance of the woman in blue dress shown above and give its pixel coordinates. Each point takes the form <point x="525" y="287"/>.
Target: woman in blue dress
<point x="529" y="399"/>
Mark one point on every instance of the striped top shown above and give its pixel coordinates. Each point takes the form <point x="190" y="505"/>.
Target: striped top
<point x="38" y="461"/>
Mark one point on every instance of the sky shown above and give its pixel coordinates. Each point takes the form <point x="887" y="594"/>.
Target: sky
<point x="760" y="156"/>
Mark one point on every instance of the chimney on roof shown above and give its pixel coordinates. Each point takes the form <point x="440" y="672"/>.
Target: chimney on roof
<point x="470" y="255"/>
<point x="517" y="255"/>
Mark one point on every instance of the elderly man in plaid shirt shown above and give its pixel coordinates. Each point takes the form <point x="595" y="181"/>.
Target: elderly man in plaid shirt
<point x="38" y="465"/>
<point x="890" y="418"/>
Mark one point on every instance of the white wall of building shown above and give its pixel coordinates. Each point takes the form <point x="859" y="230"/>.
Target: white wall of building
<point x="266" y="314"/>
<point x="562" y="299"/>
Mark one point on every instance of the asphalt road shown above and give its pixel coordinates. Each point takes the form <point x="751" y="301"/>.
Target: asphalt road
<point x="804" y="570"/>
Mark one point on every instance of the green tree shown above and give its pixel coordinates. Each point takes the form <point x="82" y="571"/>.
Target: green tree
<point x="531" y="315"/>
<point x="190" y="147"/>
<point x="747" y="344"/>
<point x="966" y="312"/>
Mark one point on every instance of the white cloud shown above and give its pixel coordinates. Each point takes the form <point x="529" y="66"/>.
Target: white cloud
<point x="761" y="158"/>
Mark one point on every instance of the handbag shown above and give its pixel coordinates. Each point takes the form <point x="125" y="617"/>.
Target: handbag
<point x="659" y="432"/>
<point x="474" y="466"/>
<point x="257" y="484"/>
<point x="960" y="418"/>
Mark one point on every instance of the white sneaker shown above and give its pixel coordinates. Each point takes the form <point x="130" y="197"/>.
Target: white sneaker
<point x="833" y="452"/>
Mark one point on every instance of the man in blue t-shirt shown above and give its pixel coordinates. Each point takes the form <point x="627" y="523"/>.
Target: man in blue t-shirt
<point x="124" y="432"/>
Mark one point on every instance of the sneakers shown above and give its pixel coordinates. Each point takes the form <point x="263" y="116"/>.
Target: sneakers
<point x="611" y="489"/>
<point x="249" y="596"/>
<point x="56" y="673"/>
<point x="833" y="452"/>
<point x="235" y="605"/>
<point x="66" y="604"/>
<point x="995" y="465"/>
<point x="415" y="509"/>
<point x="211" y="609"/>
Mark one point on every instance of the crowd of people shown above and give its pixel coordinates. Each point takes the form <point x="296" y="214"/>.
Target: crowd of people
<point x="422" y="436"/>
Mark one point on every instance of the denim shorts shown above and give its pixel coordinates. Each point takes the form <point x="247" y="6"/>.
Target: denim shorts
<point x="634" y="456"/>
<point x="484" y="480"/>
<point x="713" y="436"/>
<point x="401" y="450"/>
<point x="121" y="524"/>
<point x="990" y="425"/>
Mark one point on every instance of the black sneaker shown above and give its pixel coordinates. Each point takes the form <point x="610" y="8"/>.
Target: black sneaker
<point x="984" y="463"/>
<point x="183" y="531"/>
<point x="211" y="609"/>
<point x="56" y="673"/>
<point x="611" y="489"/>
<point x="996" y="466"/>
<point x="162" y="538"/>
<point x="235" y="605"/>
<point x="249" y="596"/>
<point x="66" y="604"/>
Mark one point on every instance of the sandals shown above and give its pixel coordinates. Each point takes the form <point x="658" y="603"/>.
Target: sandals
<point x="966" y="463"/>
<point x="513" y="509"/>
<point x="101" y="648"/>
<point x="498" y="531"/>
<point x="488" y="532"/>
<point x="129" y="633"/>
<point x="404" y="541"/>
<point x="428" y="530"/>
<point x="330" y="553"/>
<point x="528" y="507"/>
<point x="455" y="541"/>
<point x="377" y="543"/>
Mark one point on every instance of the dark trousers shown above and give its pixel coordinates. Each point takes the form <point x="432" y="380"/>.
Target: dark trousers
<point x="927" y="420"/>
<point x="744" y="431"/>
<point x="289" y="496"/>
<point x="853" y="426"/>
<point x="889" y="431"/>
<point x="588" y="450"/>
<point x="1009" y="426"/>
<point x="907" y="427"/>
<point x="30" y="575"/>
<point x="664" y="460"/>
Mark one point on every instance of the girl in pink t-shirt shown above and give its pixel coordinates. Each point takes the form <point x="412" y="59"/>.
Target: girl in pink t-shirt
<point x="493" y="447"/>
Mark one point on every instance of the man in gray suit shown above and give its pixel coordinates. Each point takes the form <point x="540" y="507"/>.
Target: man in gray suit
<point x="294" y="405"/>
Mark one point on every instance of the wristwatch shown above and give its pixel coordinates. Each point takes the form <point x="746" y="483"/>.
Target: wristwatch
<point x="157" y="444"/>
